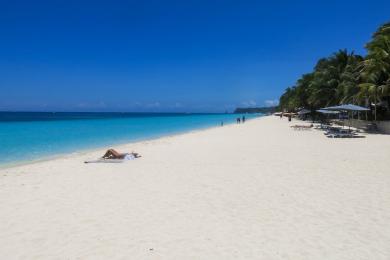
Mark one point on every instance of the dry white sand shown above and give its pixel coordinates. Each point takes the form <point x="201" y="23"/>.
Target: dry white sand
<point x="254" y="191"/>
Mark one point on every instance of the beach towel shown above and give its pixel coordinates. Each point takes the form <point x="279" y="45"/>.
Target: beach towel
<point x="102" y="160"/>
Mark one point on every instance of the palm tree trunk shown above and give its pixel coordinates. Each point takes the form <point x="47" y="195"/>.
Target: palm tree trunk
<point x="375" y="105"/>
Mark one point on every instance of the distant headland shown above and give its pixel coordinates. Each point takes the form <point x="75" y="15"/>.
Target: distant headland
<point x="264" y="110"/>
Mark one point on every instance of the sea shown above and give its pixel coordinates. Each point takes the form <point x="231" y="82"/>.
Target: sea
<point x="32" y="136"/>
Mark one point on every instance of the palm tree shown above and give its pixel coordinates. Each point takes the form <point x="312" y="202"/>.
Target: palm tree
<point x="346" y="78"/>
<point x="348" y="85"/>
<point x="375" y="72"/>
<point x="335" y="79"/>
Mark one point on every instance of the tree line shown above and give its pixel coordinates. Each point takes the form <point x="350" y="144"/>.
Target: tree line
<point x="346" y="77"/>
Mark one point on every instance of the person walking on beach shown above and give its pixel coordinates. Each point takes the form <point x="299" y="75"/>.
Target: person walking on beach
<point x="243" y="119"/>
<point x="238" y="120"/>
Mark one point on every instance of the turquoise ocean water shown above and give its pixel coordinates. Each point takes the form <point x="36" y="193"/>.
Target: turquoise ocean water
<point x="33" y="136"/>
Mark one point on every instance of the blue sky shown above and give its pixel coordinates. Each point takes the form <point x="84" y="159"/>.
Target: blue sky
<point x="190" y="56"/>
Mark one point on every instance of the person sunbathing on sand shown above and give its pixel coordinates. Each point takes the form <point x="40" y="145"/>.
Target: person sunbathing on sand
<point x="113" y="154"/>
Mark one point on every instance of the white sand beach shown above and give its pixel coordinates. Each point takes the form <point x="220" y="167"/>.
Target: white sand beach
<point x="254" y="191"/>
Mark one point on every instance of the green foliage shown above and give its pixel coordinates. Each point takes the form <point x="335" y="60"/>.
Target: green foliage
<point x="345" y="78"/>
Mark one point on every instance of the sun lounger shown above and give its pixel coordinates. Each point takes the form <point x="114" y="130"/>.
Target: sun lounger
<point x="323" y="127"/>
<point x="302" y="127"/>
<point x="340" y="135"/>
<point x="345" y="135"/>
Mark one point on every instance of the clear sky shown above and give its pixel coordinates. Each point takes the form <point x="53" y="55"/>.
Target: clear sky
<point x="192" y="56"/>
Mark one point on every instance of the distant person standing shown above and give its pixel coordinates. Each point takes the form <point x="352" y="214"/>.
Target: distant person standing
<point x="238" y="120"/>
<point x="289" y="118"/>
<point x="281" y="115"/>
<point x="221" y="123"/>
<point x="243" y="119"/>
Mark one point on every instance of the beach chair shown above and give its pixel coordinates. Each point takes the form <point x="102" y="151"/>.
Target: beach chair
<point x="302" y="127"/>
<point x="345" y="133"/>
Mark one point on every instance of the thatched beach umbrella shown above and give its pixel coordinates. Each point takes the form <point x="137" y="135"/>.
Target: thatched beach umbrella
<point x="327" y="111"/>
<point x="347" y="108"/>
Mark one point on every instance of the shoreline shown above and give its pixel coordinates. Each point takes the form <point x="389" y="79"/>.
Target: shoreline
<point x="94" y="150"/>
